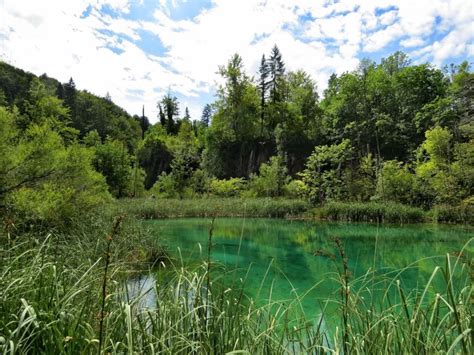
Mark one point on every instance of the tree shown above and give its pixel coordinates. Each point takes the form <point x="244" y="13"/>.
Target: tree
<point x="234" y="127"/>
<point x="395" y="62"/>
<point x="187" y="116"/>
<point x="264" y="72"/>
<point x="161" y="116"/>
<point x="276" y="68"/>
<point x="324" y="171"/>
<point x="41" y="180"/>
<point x="144" y="122"/>
<point x="170" y="106"/>
<point x="70" y="97"/>
<point x="206" y="115"/>
<point x="185" y="156"/>
<point x="395" y="182"/>
<point x="112" y="160"/>
<point x="153" y="154"/>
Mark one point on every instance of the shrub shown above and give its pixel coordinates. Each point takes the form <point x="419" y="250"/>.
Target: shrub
<point x="295" y="189"/>
<point x="227" y="187"/>
<point x="271" y="179"/>
<point x="164" y="186"/>
<point x="395" y="182"/>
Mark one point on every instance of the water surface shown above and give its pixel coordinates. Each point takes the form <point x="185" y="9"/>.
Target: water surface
<point x="277" y="257"/>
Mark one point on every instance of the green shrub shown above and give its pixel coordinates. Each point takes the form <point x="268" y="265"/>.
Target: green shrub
<point x="271" y="179"/>
<point x="200" y="182"/>
<point x="164" y="187"/>
<point x="295" y="189"/>
<point x="395" y="182"/>
<point x="227" y="187"/>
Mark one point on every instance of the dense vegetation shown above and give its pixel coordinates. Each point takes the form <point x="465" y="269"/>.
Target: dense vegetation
<point x="385" y="132"/>
<point x="389" y="141"/>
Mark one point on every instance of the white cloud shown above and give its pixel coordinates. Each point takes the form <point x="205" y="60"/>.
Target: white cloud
<point x="50" y="36"/>
<point x="412" y="42"/>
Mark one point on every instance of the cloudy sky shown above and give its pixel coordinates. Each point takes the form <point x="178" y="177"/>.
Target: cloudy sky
<point x="137" y="50"/>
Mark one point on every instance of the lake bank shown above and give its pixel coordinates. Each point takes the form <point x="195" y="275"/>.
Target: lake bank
<point x="381" y="212"/>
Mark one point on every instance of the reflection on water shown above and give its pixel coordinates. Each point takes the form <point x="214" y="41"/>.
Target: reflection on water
<point x="142" y="291"/>
<point x="277" y="257"/>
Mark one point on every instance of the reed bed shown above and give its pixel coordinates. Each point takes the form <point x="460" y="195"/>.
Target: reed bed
<point x="55" y="305"/>
<point x="370" y="212"/>
<point x="150" y="208"/>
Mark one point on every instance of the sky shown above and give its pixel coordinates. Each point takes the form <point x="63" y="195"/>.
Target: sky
<point x="139" y="50"/>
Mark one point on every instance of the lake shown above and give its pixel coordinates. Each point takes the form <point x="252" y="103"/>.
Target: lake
<point x="277" y="257"/>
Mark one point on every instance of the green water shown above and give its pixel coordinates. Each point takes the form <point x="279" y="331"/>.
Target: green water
<point x="278" y="255"/>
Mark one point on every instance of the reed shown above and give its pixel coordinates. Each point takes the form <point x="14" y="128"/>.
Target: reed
<point x="49" y="304"/>
<point x="370" y="212"/>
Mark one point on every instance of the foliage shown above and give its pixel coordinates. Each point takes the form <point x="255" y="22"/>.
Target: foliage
<point x="445" y="171"/>
<point x="227" y="187"/>
<point x="271" y="179"/>
<point x="164" y="187"/>
<point x="41" y="179"/>
<point x="395" y="182"/>
<point x="323" y="173"/>
<point x="112" y="160"/>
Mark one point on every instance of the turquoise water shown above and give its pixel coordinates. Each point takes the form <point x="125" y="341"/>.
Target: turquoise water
<point x="277" y="257"/>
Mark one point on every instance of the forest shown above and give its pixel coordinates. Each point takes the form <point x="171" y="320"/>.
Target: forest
<point x="386" y="132"/>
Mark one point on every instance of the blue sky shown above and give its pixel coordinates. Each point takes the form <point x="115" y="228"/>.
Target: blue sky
<point x="140" y="49"/>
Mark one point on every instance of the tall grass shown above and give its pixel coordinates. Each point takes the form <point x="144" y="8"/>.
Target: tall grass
<point x="50" y="304"/>
<point x="208" y="207"/>
<point x="453" y="214"/>
<point x="370" y="212"/>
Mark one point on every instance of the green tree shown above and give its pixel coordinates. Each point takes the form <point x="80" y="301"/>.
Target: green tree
<point x="232" y="135"/>
<point x="170" y="110"/>
<point x="395" y="182"/>
<point x="264" y="72"/>
<point x="323" y="175"/>
<point x="113" y="161"/>
<point x="41" y="180"/>
<point x="206" y="115"/>
<point x="153" y="154"/>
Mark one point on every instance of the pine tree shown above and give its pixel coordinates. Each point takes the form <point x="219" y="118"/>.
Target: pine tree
<point x="206" y="115"/>
<point x="144" y="123"/>
<point x="161" y="115"/>
<point x="60" y="91"/>
<point x="263" y="85"/>
<point x="276" y="71"/>
<point x="70" y="95"/>
<point x="187" y="116"/>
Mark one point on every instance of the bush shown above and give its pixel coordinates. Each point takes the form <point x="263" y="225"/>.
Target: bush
<point x="164" y="186"/>
<point x="395" y="182"/>
<point x="227" y="187"/>
<point x="295" y="189"/>
<point x="271" y="179"/>
<point x="200" y="182"/>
